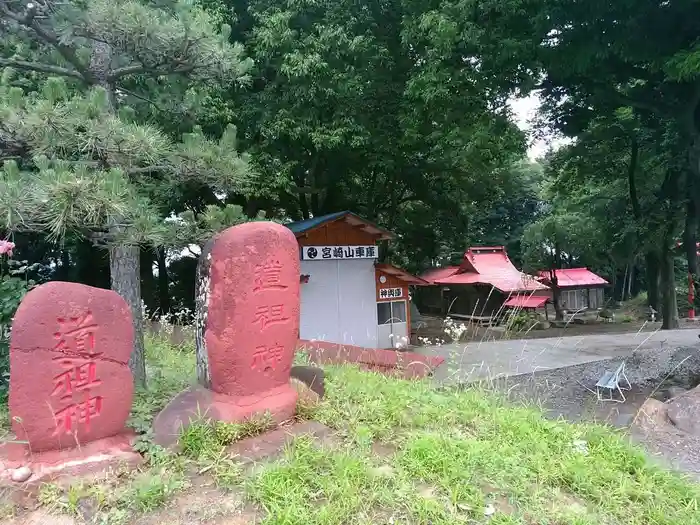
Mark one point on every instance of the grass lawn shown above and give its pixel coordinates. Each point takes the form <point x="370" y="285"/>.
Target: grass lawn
<point x="401" y="452"/>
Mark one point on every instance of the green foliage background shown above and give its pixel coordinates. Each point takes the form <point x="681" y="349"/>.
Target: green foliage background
<point x="12" y="291"/>
<point x="216" y="112"/>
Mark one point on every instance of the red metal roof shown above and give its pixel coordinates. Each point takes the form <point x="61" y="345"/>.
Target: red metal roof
<point x="570" y="277"/>
<point x="526" y="301"/>
<point x="489" y="266"/>
<point x="439" y="273"/>
<point x="505" y="282"/>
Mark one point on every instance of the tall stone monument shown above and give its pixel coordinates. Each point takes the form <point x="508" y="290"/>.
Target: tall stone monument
<point x="247" y="329"/>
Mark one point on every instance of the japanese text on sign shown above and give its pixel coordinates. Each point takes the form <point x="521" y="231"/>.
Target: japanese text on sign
<point x="77" y="358"/>
<point x="319" y="253"/>
<point x="390" y="293"/>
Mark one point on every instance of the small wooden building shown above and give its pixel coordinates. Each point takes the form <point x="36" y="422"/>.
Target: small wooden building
<point x="347" y="297"/>
<point x="581" y="289"/>
<point x="480" y="287"/>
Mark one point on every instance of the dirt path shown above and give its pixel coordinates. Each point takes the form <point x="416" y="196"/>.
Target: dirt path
<point x="465" y="362"/>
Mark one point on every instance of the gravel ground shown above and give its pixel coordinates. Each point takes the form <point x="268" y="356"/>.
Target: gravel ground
<point x="659" y="373"/>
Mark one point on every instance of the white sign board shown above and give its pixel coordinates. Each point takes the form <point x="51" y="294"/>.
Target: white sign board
<point x="319" y="253"/>
<point x="390" y="293"/>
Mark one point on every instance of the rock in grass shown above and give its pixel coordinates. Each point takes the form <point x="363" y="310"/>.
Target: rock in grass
<point x="21" y="474"/>
<point x="308" y="399"/>
<point x="675" y="391"/>
<point x="312" y="377"/>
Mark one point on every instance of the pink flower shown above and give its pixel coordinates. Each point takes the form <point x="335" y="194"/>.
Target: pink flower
<point x="6" y="247"/>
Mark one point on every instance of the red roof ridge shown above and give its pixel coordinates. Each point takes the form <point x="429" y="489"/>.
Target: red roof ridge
<point x="479" y="248"/>
<point x="580" y="276"/>
<point x="435" y="274"/>
<point x="486" y="265"/>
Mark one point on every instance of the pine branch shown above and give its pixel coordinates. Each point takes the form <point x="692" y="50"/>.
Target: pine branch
<point x="133" y="69"/>
<point x="49" y="37"/>
<point x="41" y="68"/>
<point x="140" y="97"/>
<point x="137" y="69"/>
<point x="129" y="171"/>
<point x="147" y="169"/>
<point x="176" y="66"/>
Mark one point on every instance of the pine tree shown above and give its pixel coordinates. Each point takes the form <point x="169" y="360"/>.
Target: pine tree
<point x="86" y="163"/>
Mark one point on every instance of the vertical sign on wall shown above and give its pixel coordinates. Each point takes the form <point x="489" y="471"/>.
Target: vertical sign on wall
<point x="390" y="293"/>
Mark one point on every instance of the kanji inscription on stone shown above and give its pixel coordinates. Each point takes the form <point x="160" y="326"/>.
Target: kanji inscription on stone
<point x="247" y="327"/>
<point x="75" y="334"/>
<point x="266" y="315"/>
<point x="267" y="276"/>
<point x="253" y="310"/>
<point x="70" y="383"/>
<point x="266" y="358"/>
<point x="68" y="419"/>
<point x="80" y="375"/>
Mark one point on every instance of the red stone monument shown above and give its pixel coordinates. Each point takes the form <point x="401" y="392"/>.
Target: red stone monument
<point x="247" y="329"/>
<point x="70" y="384"/>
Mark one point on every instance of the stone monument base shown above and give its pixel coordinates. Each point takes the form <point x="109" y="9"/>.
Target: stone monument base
<point x="197" y="403"/>
<point x="24" y="470"/>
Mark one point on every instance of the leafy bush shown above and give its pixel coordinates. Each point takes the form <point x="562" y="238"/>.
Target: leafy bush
<point x="606" y="313"/>
<point x="521" y="321"/>
<point x="13" y="288"/>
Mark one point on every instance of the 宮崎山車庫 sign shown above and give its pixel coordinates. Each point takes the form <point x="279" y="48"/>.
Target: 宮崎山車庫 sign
<point x="320" y="253"/>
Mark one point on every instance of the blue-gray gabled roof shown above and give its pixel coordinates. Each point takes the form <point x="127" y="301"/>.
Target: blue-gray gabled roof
<point x="300" y="227"/>
<point x="308" y="224"/>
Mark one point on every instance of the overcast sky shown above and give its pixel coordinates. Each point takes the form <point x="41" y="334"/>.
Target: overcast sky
<point x="525" y="110"/>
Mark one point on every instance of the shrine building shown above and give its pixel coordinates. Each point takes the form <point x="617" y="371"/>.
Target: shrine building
<point x="481" y="287"/>
<point x="347" y="296"/>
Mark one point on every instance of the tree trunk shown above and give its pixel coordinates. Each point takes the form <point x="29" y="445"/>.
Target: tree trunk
<point x="631" y="179"/>
<point x="304" y="206"/>
<point x="690" y="240"/>
<point x="148" y="281"/>
<point x="315" y="200"/>
<point x="624" y="283"/>
<point x="201" y="300"/>
<point x="163" y="283"/>
<point x="652" y="264"/>
<point x="669" y="303"/>
<point x="124" y="261"/>
<point x="630" y="282"/>
<point x="630" y="278"/>
<point x="554" y="281"/>
<point x="125" y="273"/>
<point x="556" y="299"/>
<point x="556" y="295"/>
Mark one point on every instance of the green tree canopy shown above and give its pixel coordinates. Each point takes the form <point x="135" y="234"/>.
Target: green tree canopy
<point x="97" y="162"/>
